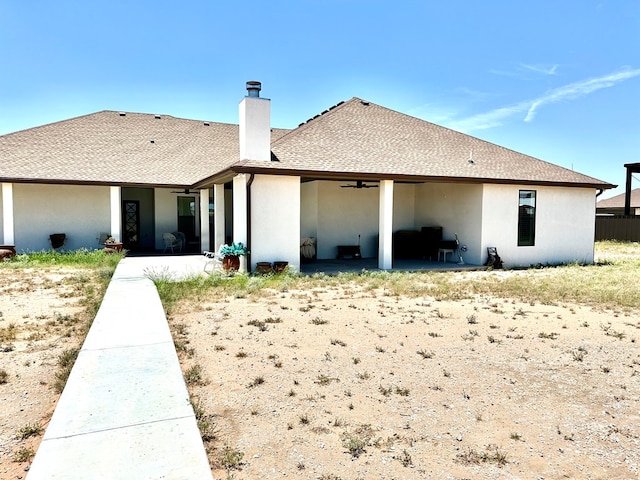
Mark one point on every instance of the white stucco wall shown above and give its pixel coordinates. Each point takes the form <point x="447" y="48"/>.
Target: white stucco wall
<point x="309" y="209"/>
<point x="565" y="225"/>
<point x="337" y="215"/>
<point x="457" y="208"/>
<point x="1" y="212"/>
<point x="345" y="213"/>
<point x="404" y="206"/>
<point x="275" y="220"/>
<point x="82" y="212"/>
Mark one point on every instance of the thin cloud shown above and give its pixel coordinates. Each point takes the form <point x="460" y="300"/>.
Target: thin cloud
<point x="579" y="89"/>
<point x="544" y="69"/>
<point x="495" y="118"/>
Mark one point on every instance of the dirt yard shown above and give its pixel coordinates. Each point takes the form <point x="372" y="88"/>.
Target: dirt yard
<point x="344" y="383"/>
<point x="40" y="318"/>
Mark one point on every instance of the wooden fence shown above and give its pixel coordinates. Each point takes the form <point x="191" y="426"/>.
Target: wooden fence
<point x="618" y="228"/>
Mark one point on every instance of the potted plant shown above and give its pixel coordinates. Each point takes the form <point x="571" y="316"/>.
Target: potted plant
<point x="231" y="255"/>
<point x="111" y="245"/>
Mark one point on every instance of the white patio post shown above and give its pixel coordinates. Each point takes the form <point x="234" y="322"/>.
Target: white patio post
<point x="240" y="214"/>
<point x="8" y="226"/>
<point x="219" y="225"/>
<point x="116" y="214"/>
<point x="204" y="219"/>
<point x="385" y="227"/>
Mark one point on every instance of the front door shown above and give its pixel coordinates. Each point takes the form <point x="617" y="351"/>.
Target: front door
<point x="131" y="224"/>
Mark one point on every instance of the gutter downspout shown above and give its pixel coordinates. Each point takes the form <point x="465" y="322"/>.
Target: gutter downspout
<point x="249" y="182"/>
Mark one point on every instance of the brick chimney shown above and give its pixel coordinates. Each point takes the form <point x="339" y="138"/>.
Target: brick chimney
<point x="255" y="125"/>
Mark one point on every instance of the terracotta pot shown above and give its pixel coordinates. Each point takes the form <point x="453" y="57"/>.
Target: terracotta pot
<point x="264" y="268"/>
<point x="231" y="263"/>
<point x="279" y="267"/>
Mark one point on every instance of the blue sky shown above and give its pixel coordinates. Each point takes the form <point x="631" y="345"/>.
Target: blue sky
<point x="556" y="79"/>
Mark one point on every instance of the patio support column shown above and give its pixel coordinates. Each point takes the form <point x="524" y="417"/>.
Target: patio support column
<point x="7" y="214"/>
<point x="385" y="227"/>
<point x="240" y="214"/>
<point x="116" y="213"/>
<point x="204" y="219"/>
<point x="219" y="225"/>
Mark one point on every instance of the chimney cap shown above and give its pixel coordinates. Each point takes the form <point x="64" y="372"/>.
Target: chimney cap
<point x="253" y="88"/>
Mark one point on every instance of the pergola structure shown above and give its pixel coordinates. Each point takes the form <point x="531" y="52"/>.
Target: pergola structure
<point x="631" y="169"/>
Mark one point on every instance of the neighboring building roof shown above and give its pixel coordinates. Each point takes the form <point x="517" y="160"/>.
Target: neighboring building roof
<point x="618" y="200"/>
<point x="354" y="138"/>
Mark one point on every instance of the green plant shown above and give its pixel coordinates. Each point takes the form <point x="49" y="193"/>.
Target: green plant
<point x="233" y="250"/>
<point x="231" y="458"/>
<point x="65" y="363"/>
<point x="29" y="430"/>
<point x="194" y="375"/>
<point x="354" y="445"/>
<point x="23" y="455"/>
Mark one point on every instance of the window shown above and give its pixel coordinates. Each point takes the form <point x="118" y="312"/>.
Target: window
<point x="527" y="218"/>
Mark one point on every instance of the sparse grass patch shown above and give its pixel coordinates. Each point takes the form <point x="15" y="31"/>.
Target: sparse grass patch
<point x="425" y="354"/>
<point x="195" y="376"/>
<point x="256" y="381"/>
<point x="318" y="321"/>
<point x="492" y="454"/>
<point x="231" y="458"/>
<point x="23" y="454"/>
<point x="65" y="363"/>
<point x="29" y="430"/>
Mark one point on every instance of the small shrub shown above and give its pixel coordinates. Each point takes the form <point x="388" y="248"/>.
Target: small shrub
<point x="65" y="363"/>
<point x="231" y="458"/>
<point x="256" y="381"/>
<point x="29" y="430"/>
<point x="4" y="377"/>
<point x="405" y="459"/>
<point x="425" y="354"/>
<point x="318" y="321"/>
<point x="354" y="445"/>
<point x="23" y="455"/>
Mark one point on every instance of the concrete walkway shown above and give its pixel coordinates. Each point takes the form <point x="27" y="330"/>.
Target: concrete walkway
<point x="125" y="411"/>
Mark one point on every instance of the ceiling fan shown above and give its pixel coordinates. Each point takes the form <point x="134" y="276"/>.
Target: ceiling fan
<point x="186" y="191"/>
<point x="359" y="184"/>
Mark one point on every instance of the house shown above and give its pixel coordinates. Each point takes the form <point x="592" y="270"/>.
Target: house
<point x="355" y="174"/>
<point x="615" y="205"/>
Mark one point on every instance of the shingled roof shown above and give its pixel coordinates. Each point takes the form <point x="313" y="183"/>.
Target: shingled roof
<point x="117" y="148"/>
<point x="359" y="137"/>
<point x="353" y="139"/>
<point x="618" y="200"/>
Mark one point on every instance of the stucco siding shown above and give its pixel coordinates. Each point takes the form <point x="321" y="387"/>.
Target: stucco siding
<point x="275" y="220"/>
<point x="166" y="214"/>
<point x="457" y="208"/>
<point x="81" y="212"/>
<point x="345" y="213"/>
<point x="309" y="209"/>
<point x="403" y="206"/>
<point x="1" y="215"/>
<point x="565" y="225"/>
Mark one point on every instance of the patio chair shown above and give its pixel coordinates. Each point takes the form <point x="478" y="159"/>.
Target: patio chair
<point x="214" y="261"/>
<point x="171" y="242"/>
